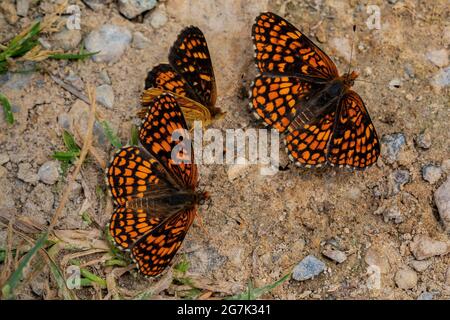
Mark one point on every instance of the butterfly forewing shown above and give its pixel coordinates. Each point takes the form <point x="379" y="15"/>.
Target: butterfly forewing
<point x="282" y="48"/>
<point x="165" y="122"/>
<point x="190" y="57"/>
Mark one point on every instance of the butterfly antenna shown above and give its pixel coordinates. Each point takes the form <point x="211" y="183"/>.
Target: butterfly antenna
<point x="351" y="50"/>
<point x="201" y="224"/>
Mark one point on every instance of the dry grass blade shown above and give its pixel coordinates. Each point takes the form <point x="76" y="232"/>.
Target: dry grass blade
<point x="83" y="154"/>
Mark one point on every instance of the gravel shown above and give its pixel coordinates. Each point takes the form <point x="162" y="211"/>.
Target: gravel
<point x="157" y="18"/>
<point x="49" y="172"/>
<point x="4" y="158"/>
<point x="420" y="266"/>
<point x="140" y="41"/>
<point x="133" y="8"/>
<point x="67" y="39"/>
<point x="423" y="140"/>
<point x="406" y="278"/>
<point x="22" y="7"/>
<point x="442" y="200"/>
<point x="431" y="173"/>
<point x="425" y="296"/>
<point x="424" y="247"/>
<point x="391" y="146"/>
<point x="105" y="95"/>
<point x="110" y="40"/>
<point x="308" y="268"/>
<point x="395" y="84"/>
<point x="441" y="79"/>
<point x="397" y="179"/>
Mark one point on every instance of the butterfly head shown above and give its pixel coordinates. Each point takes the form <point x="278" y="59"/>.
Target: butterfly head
<point x="349" y="78"/>
<point x="204" y="198"/>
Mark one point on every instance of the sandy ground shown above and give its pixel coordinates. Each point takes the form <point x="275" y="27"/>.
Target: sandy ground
<point x="258" y="227"/>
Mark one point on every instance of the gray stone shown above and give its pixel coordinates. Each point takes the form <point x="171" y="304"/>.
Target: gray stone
<point x="22" y="7"/>
<point x="158" y="17"/>
<point x="49" y="172"/>
<point x="110" y="40"/>
<point x="420" y="266"/>
<point x="441" y="79"/>
<point x="438" y="57"/>
<point x="308" y="268"/>
<point x="65" y="121"/>
<point x="97" y="5"/>
<point x="67" y="39"/>
<point x="425" y="296"/>
<point x="104" y="77"/>
<point x="431" y="173"/>
<point x="442" y="200"/>
<point x="391" y="146"/>
<point x="398" y="179"/>
<point x="423" y="140"/>
<point x="133" y="8"/>
<point x="391" y="214"/>
<point x="406" y="278"/>
<point x="9" y="12"/>
<point x="105" y="95"/>
<point x="16" y="81"/>
<point x="335" y="255"/>
<point x="140" y="41"/>
<point x="423" y="247"/>
<point x="75" y="80"/>
<point x="26" y="174"/>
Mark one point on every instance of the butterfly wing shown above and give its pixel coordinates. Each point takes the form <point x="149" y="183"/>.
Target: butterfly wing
<point x="132" y="174"/>
<point x="282" y="48"/>
<point x="278" y="100"/>
<point x="127" y="225"/>
<point x="190" y="57"/>
<point x="354" y="142"/>
<point x="154" y="251"/>
<point x="307" y="144"/>
<point x="164" y="120"/>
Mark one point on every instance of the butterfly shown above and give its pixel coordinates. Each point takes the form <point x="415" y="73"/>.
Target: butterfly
<point x="300" y="93"/>
<point x="154" y="188"/>
<point x="189" y="76"/>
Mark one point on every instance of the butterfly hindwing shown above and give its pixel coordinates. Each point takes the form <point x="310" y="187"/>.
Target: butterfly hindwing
<point x="282" y="48"/>
<point x="354" y="142"/>
<point x="154" y="251"/>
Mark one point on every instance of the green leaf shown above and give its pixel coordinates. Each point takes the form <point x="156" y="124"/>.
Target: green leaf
<point x="16" y="276"/>
<point x="134" y="136"/>
<point x="7" y="109"/>
<point x="92" y="277"/>
<point x="183" y="265"/>
<point x="65" y="156"/>
<point x="110" y="134"/>
<point x="69" y="141"/>
<point x="72" y="56"/>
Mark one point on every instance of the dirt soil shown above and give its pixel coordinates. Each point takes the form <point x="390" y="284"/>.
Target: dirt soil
<point x="257" y="227"/>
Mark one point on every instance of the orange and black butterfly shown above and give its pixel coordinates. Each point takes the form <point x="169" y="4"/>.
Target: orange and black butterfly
<point x="154" y="188"/>
<point x="301" y="94"/>
<point x="189" y="76"/>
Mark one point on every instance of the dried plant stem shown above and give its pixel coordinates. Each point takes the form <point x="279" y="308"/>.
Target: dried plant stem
<point x="84" y="151"/>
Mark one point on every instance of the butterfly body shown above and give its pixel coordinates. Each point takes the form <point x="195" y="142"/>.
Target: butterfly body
<point x="301" y="94"/>
<point x="155" y="189"/>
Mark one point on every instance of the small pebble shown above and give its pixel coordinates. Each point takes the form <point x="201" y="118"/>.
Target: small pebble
<point x="431" y="173"/>
<point x="424" y="247"/>
<point x="110" y="40"/>
<point x="133" y="8"/>
<point x="104" y="77"/>
<point x="105" y="95"/>
<point x="420" y="266"/>
<point x="157" y="17"/>
<point x="140" y="41"/>
<point x="335" y="255"/>
<point x="425" y="296"/>
<point x="342" y="46"/>
<point x="395" y="84"/>
<point x="4" y="158"/>
<point x="67" y="39"/>
<point x="438" y="57"/>
<point x="22" y="7"/>
<point x="442" y="200"/>
<point x="392" y="145"/>
<point x="423" y="140"/>
<point x="49" y="172"/>
<point x="406" y="278"/>
<point x="96" y="5"/>
<point x="398" y="179"/>
<point x="308" y="268"/>
<point x="441" y="79"/>
<point x="26" y="174"/>
<point x="9" y="11"/>
<point x="65" y="121"/>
